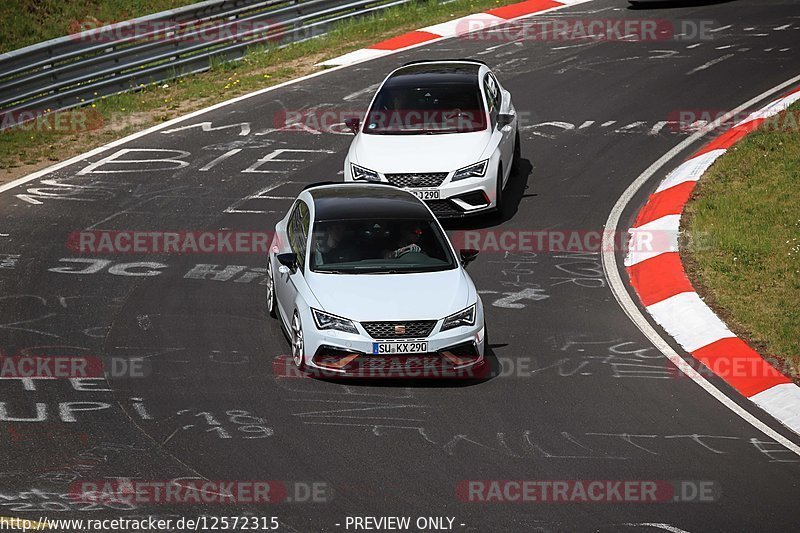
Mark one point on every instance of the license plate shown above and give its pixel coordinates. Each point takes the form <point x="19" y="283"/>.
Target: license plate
<point x="426" y="194"/>
<point x="380" y="348"/>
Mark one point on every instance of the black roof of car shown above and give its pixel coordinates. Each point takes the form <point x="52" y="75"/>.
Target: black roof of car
<point x="424" y="73"/>
<point x="353" y="201"/>
<point x="418" y="61"/>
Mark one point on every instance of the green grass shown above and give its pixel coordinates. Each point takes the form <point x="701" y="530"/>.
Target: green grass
<point x="27" y="22"/>
<point x="259" y="68"/>
<point x="748" y="209"/>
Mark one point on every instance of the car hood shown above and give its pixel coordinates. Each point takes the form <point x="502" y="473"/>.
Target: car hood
<point x="379" y="297"/>
<point x="419" y="153"/>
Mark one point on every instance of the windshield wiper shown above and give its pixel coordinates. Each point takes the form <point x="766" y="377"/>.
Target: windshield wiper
<point x="378" y="271"/>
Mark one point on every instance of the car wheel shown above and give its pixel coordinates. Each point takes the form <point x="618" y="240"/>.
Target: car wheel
<point x="499" y="191"/>
<point x="517" y="152"/>
<point x="298" y="344"/>
<point x="272" y="302"/>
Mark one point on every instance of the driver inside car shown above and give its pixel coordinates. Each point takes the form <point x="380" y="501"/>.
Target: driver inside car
<point x="333" y="246"/>
<point x="407" y="243"/>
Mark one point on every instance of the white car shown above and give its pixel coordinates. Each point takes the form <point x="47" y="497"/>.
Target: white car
<point x="359" y="273"/>
<point x="445" y="130"/>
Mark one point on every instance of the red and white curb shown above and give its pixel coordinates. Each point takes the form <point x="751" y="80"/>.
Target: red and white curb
<point x="452" y="28"/>
<point x="658" y="277"/>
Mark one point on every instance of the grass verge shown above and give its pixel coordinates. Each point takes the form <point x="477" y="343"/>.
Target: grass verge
<point x="27" y="22"/>
<point x="25" y="150"/>
<point x="747" y="207"/>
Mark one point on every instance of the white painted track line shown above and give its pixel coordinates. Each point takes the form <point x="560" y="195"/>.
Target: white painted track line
<point x="612" y="273"/>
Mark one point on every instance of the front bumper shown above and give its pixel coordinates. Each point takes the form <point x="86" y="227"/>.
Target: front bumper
<point x="452" y="353"/>
<point x="470" y="196"/>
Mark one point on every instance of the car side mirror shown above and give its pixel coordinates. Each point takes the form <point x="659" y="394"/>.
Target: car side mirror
<point x="503" y="120"/>
<point x="288" y="260"/>
<point x="468" y="256"/>
<point x="353" y="124"/>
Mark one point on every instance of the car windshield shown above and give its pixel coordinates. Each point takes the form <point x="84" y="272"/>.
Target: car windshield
<point x="379" y="247"/>
<point x="436" y="108"/>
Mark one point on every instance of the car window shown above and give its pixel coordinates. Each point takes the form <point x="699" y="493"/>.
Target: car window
<point x="498" y="101"/>
<point x="492" y="93"/>
<point x="297" y="230"/>
<point x="430" y="108"/>
<point x="370" y="246"/>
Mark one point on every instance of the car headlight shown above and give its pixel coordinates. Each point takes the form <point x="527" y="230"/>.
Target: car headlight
<point x="363" y="174"/>
<point x="465" y="317"/>
<point x="478" y="170"/>
<point x="328" y="321"/>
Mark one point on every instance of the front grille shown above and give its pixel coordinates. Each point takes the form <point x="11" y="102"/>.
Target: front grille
<point x="431" y="179"/>
<point x="444" y="208"/>
<point x="386" y="330"/>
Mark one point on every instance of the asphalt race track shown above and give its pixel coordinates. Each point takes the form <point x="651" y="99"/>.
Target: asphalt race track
<point x="581" y="394"/>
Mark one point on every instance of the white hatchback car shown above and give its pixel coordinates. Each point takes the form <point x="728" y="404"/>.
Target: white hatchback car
<point x="359" y="273"/>
<point x="445" y="130"/>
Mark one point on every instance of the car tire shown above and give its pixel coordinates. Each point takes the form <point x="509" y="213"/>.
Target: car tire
<point x="298" y="342"/>
<point x="517" y="153"/>
<point x="271" y="298"/>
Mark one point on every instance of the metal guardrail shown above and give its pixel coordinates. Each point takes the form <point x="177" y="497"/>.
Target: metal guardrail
<point x="78" y="69"/>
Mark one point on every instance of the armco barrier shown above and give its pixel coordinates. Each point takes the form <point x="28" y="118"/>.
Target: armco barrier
<point x="77" y="69"/>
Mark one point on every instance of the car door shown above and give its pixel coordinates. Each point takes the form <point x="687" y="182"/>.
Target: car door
<point x="286" y="283"/>
<point x="494" y="96"/>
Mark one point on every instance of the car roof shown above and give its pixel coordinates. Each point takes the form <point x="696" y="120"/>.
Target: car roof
<point x="435" y="73"/>
<point x="462" y="60"/>
<point x="354" y="201"/>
